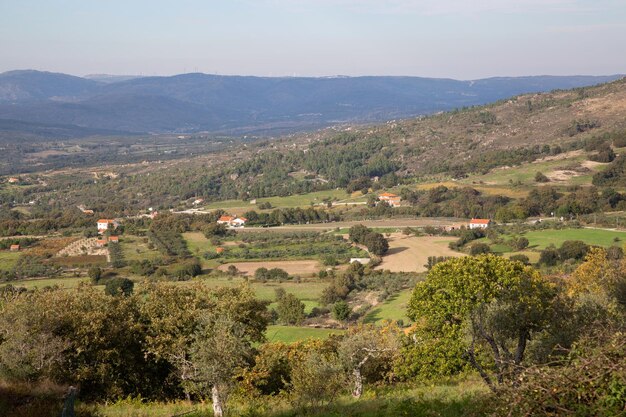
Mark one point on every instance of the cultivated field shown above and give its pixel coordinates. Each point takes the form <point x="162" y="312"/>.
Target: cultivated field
<point x="410" y="253"/>
<point x="307" y="267"/>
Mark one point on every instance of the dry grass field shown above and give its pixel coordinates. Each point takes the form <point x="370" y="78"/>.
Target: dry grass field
<point x="302" y="268"/>
<point x="410" y="253"/>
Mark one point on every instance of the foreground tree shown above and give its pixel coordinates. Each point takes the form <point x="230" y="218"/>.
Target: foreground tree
<point x="224" y="341"/>
<point x="479" y="304"/>
<point x="365" y="344"/>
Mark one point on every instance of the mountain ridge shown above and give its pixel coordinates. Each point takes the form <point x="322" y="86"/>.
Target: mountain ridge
<point x="243" y="104"/>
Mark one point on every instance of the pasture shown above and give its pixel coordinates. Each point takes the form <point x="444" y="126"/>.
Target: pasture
<point x="301" y="268"/>
<point x="393" y="308"/>
<point x="8" y="259"/>
<point x="540" y="239"/>
<point x="290" y="334"/>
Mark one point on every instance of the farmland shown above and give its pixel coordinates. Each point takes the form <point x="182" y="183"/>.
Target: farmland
<point x="410" y="254"/>
<point x="290" y="334"/>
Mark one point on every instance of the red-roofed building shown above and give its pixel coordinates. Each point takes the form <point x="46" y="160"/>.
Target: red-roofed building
<point x="392" y="199"/>
<point x="14" y="248"/>
<point x="100" y="243"/>
<point x="106" y="224"/>
<point x="114" y="239"/>
<point x="479" y="223"/>
<point x="232" y="221"/>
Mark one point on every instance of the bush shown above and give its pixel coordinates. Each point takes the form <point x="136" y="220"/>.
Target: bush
<point x="341" y="310"/>
<point x="119" y="286"/>
<point x="479" y="249"/>
<point x="540" y="177"/>
<point x="549" y="256"/>
<point x="573" y="249"/>
<point x="520" y="258"/>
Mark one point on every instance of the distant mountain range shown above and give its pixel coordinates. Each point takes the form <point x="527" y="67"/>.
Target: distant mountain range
<point x="241" y="104"/>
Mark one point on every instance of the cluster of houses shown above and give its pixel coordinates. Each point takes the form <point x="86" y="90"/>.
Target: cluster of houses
<point x="103" y="241"/>
<point x="232" y="221"/>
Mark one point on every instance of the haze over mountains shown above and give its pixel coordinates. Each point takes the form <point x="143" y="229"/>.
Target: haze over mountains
<point x="41" y="102"/>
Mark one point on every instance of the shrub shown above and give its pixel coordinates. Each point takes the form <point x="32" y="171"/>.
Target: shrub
<point x="341" y="310"/>
<point x="540" y="177"/>
<point x="119" y="286"/>
<point x="479" y="249"/>
<point x="520" y="258"/>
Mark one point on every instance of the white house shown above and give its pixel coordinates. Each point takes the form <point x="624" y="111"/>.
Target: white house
<point x="479" y="223"/>
<point x="232" y="221"/>
<point x="106" y="224"/>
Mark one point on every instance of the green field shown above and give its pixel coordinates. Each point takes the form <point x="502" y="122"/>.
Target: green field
<point x="299" y="200"/>
<point x="394" y="308"/>
<point x="306" y="290"/>
<point x="290" y="334"/>
<point x="540" y="239"/>
<point x="49" y="282"/>
<point x="8" y="259"/>
<point x="135" y="249"/>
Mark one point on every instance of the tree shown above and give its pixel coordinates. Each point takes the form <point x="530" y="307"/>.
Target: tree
<point x="358" y="232"/>
<point x="341" y="310"/>
<point x="290" y="309"/>
<point x="224" y="341"/>
<point x="95" y="273"/>
<point x="376" y="243"/>
<point x="499" y="303"/>
<point x="363" y="345"/>
<point x="119" y="286"/>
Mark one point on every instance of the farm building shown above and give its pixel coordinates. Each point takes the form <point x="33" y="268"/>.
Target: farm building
<point x="13" y="180"/>
<point x="198" y="201"/>
<point x="479" y="223"/>
<point x="106" y="224"/>
<point x="100" y="243"/>
<point x="362" y="261"/>
<point x="114" y="239"/>
<point x="232" y="221"/>
<point x="392" y="199"/>
<point x="14" y="248"/>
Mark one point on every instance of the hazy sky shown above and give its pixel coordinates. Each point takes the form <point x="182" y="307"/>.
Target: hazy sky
<point x="463" y="39"/>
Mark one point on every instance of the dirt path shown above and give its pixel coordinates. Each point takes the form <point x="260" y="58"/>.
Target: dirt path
<point x="291" y="267"/>
<point x="387" y="223"/>
<point x="408" y="254"/>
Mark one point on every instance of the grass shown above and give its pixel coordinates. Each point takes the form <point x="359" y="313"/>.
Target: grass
<point x="393" y="308"/>
<point x="135" y="249"/>
<point x="298" y="200"/>
<point x="8" y="259"/>
<point x="306" y="290"/>
<point x="540" y="239"/>
<point x="290" y="334"/>
<point x="456" y="398"/>
<point x="49" y="282"/>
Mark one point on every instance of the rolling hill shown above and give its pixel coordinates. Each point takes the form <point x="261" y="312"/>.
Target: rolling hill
<point x="244" y="104"/>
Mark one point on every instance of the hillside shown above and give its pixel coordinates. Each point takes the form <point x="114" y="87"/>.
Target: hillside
<point x="547" y="131"/>
<point x="244" y="104"/>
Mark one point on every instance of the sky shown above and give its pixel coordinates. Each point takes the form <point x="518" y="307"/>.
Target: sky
<point x="461" y="39"/>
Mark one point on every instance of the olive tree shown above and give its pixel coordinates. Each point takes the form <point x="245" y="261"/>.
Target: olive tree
<point x="363" y="345"/>
<point x="484" y="304"/>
